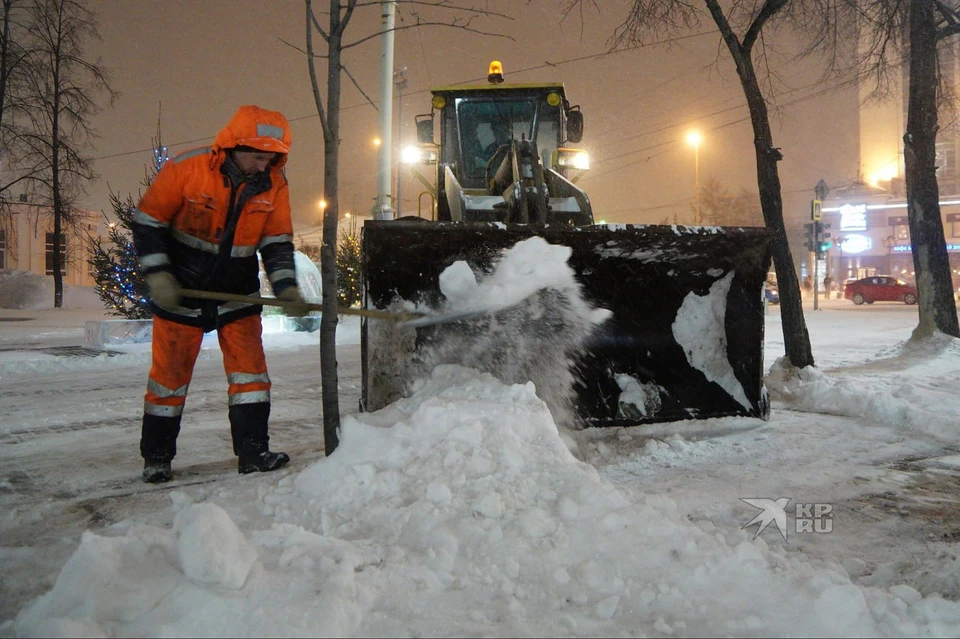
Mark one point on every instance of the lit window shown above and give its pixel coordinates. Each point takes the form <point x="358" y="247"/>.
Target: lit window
<point x="953" y="224"/>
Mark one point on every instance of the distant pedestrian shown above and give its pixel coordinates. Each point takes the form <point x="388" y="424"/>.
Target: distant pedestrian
<point x="807" y="283"/>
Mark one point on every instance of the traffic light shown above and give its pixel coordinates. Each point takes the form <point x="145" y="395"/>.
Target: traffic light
<point x="823" y="238"/>
<point x="810" y="236"/>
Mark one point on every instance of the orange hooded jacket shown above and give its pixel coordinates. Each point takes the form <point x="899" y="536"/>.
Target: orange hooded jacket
<point x="204" y="222"/>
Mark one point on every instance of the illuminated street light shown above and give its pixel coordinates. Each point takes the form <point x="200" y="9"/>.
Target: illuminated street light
<point x="693" y="139"/>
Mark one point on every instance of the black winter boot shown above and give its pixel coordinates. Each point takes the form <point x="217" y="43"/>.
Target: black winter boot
<point x="156" y="471"/>
<point x="158" y="446"/>
<point x="248" y="425"/>
<point x="262" y="462"/>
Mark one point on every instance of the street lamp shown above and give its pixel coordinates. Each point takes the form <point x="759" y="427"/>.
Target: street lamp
<point x="693" y="139"/>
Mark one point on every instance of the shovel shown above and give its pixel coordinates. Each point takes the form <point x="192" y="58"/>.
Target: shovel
<point x="405" y="318"/>
<point x="272" y="301"/>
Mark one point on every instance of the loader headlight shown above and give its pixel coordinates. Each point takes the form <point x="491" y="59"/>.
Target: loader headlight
<point x="439" y="102"/>
<point x="573" y="158"/>
<point x="418" y="155"/>
<point x="553" y="98"/>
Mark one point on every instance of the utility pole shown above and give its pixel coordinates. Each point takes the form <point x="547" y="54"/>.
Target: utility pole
<point x="400" y="80"/>
<point x="382" y="209"/>
<point x="819" y="236"/>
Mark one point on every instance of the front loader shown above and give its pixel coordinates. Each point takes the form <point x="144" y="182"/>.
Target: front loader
<point x="685" y="336"/>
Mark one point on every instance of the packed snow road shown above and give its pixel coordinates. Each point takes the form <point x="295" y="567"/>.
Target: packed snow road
<point x="69" y="440"/>
<point x="868" y="440"/>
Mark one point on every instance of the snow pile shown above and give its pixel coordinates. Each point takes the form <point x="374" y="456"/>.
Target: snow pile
<point x="527" y="267"/>
<point x="533" y="325"/>
<point x="460" y="508"/>
<point x="911" y="405"/>
<point x="26" y="290"/>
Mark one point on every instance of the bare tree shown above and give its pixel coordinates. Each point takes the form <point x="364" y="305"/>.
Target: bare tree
<point x="892" y="34"/>
<point x="741" y="27"/>
<point x="59" y="100"/>
<point x="339" y="16"/>
<point x="931" y="22"/>
<point x="12" y="36"/>
<point x="12" y="33"/>
<point x="719" y="208"/>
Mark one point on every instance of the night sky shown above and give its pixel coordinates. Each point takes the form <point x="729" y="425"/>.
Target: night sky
<point x="201" y="59"/>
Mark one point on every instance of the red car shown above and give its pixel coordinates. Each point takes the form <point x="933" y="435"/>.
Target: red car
<point x="880" y="288"/>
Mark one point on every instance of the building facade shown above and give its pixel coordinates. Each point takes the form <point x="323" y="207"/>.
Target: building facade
<point x="870" y="235"/>
<point x="868" y="216"/>
<point x="27" y="243"/>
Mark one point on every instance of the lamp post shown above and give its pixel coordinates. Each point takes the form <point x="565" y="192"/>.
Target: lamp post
<point x="400" y="81"/>
<point x="840" y="270"/>
<point x="693" y="139"/>
<point x="349" y="227"/>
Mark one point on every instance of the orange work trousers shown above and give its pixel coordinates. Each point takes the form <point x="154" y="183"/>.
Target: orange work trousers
<point x="175" y="350"/>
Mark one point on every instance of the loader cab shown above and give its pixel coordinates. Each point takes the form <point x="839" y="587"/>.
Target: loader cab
<point x="478" y="123"/>
<point x="475" y="122"/>
<point x="487" y="127"/>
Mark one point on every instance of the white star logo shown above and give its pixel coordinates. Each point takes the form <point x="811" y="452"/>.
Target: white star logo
<point x="772" y="510"/>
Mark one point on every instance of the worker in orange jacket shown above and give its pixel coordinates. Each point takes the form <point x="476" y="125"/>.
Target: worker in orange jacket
<point x="200" y="225"/>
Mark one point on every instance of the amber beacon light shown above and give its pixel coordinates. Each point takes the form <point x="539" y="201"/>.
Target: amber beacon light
<point x="495" y="74"/>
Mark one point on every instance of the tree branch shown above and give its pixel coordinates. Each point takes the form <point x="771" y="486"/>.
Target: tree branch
<point x="453" y="25"/>
<point x="767" y="11"/>
<point x="314" y="83"/>
<point x="357" y="85"/>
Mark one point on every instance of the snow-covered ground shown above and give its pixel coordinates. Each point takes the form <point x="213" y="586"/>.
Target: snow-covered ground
<point x="464" y="510"/>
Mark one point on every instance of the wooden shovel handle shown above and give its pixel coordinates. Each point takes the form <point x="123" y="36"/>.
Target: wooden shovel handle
<point x="272" y="301"/>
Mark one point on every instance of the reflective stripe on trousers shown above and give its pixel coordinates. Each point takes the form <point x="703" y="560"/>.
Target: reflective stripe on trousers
<point x="175" y="350"/>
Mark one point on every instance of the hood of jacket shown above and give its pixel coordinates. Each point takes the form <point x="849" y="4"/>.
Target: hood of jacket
<point x="257" y="128"/>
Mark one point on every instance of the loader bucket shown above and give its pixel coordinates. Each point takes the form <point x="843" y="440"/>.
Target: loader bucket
<point x="685" y="335"/>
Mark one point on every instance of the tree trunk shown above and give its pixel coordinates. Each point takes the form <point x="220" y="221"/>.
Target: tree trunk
<point x="930" y="259"/>
<point x="4" y="61"/>
<point x="796" y="339"/>
<point x="328" y="248"/>
<point x="58" y="213"/>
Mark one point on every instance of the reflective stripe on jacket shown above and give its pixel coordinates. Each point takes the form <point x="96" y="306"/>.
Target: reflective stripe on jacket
<point x="196" y="223"/>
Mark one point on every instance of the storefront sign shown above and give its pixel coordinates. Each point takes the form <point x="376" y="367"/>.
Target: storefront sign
<point x="856" y="244"/>
<point x="908" y="249"/>
<point x="853" y="217"/>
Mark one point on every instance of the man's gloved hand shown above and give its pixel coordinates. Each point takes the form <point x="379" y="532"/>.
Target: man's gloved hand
<point x="294" y="304"/>
<point x="164" y="289"/>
